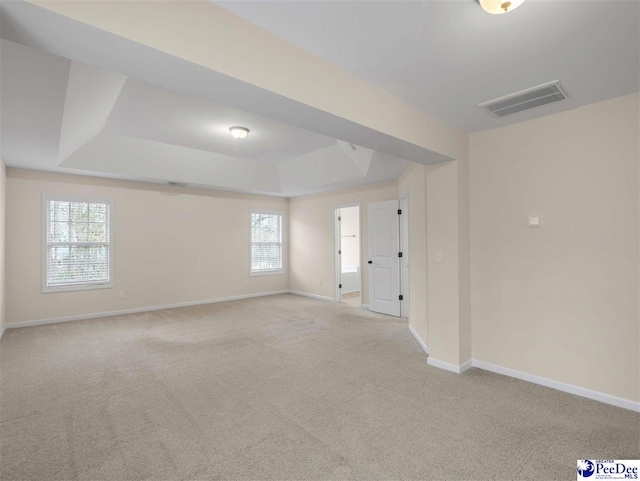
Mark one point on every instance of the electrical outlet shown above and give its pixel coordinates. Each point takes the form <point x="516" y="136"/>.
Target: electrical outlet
<point x="319" y="282"/>
<point x="246" y="281"/>
<point x="439" y="256"/>
<point x="121" y="294"/>
<point x="535" y="221"/>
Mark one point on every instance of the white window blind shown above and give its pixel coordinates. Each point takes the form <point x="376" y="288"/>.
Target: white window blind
<point x="77" y="244"/>
<point x="266" y="242"/>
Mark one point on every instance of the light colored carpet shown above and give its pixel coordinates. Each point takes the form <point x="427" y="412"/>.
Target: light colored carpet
<point x="279" y="387"/>
<point x="352" y="298"/>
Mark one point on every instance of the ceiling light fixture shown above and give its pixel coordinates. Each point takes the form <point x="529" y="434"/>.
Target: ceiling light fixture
<point x="496" y="7"/>
<point x="239" y="132"/>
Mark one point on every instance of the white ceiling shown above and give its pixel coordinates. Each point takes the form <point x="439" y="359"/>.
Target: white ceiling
<point x="37" y="27"/>
<point x="155" y="113"/>
<point x="78" y="99"/>
<point x="65" y="116"/>
<point x="446" y="57"/>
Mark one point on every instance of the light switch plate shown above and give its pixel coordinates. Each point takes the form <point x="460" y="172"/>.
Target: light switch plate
<point x="535" y="221"/>
<point x="439" y="257"/>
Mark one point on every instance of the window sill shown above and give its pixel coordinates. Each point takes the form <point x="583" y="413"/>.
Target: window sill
<point x="76" y="287"/>
<point x="272" y="272"/>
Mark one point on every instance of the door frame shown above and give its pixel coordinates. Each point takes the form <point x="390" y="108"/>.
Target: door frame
<point x="405" y="264"/>
<point x="337" y="241"/>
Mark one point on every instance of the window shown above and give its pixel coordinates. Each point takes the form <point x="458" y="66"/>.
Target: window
<point x="77" y="244"/>
<point x="266" y="242"/>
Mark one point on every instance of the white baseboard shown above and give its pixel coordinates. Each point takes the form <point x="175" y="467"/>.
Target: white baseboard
<point x="543" y="381"/>
<point x="365" y="306"/>
<point x="420" y="341"/>
<point x="55" y="320"/>
<point x="4" y="328"/>
<point x="450" y="367"/>
<point x="466" y="365"/>
<point x="313" y="296"/>
<point x="560" y="386"/>
<point x="443" y="365"/>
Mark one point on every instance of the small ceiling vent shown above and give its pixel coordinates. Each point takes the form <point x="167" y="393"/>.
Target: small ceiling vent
<point x="177" y="184"/>
<point x="527" y="99"/>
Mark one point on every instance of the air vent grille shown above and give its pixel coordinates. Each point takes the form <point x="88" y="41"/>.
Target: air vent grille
<point x="177" y="184"/>
<point x="527" y="99"/>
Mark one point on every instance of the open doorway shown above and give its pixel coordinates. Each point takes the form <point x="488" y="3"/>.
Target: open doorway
<point x="348" y="248"/>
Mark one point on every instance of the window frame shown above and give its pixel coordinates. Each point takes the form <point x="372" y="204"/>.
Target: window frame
<point x="268" y="272"/>
<point x="46" y="199"/>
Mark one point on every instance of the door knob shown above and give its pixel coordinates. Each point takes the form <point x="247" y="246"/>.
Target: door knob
<point x="370" y="262"/>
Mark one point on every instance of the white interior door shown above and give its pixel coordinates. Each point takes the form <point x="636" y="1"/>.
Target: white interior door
<point x="406" y="255"/>
<point x="384" y="268"/>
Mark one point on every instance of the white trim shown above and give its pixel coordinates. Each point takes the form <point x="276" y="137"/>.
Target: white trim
<point x="535" y="379"/>
<point x="80" y="286"/>
<point x="313" y="296"/>
<point x="447" y="365"/>
<point x="337" y="267"/>
<point x="77" y="287"/>
<point x="560" y="386"/>
<point x="466" y="365"/>
<point x="420" y="341"/>
<point x="4" y="329"/>
<point x="134" y="310"/>
<point x="267" y="272"/>
<point x="405" y="268"/>
<point x="283" y="229"/>
<point x="364" y="306"/>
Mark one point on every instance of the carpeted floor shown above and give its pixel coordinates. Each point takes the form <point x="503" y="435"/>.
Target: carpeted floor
<point x="352" y="298"/>
<point x="280" y="387"/>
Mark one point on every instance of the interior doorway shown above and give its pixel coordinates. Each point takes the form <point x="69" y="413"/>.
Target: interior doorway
<point x="348" y="254"/>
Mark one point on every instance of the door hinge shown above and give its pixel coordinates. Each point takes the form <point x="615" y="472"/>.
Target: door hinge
<point x="339" y="218"/>
<point x="339" y="252"/>
<point x="399" y="254"/>
<point x="399" y="211"/>
<point x="339" y="286"/>
<point x="400" y="297"/>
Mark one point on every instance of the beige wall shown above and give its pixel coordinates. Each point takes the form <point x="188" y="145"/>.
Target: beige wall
<point x="2" y="245"/>
<point x="311" y="229"/>
<point x="442" y="278"/>
<point x="201" y="236"/>
<point x="561" y="301"/>
<point x="413" y="180"/>
<point x="464" y="255"/>
<point x="438" y="221"/>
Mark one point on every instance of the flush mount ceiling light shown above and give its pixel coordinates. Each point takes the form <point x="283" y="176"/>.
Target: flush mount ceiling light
<point x="239" y="132"/>
<point x="496" y="7"/>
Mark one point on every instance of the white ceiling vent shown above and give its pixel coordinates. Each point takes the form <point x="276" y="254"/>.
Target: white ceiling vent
<point x="526" y="99"/>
